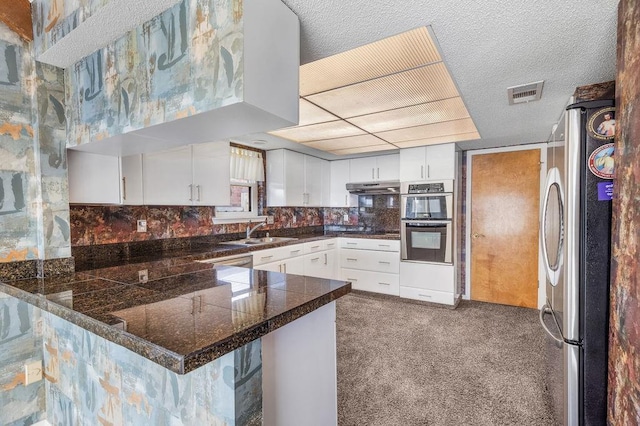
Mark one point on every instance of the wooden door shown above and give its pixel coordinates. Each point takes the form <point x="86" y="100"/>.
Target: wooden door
<point x="505" y="198"/>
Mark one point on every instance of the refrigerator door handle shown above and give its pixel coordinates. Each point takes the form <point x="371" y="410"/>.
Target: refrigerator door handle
<point x="547" y="311"/>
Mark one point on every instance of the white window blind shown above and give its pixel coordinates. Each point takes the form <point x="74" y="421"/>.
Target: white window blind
<point x="246" y="165"/>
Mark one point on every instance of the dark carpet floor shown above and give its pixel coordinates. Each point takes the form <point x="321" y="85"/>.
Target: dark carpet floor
<point x="404" y="364"/>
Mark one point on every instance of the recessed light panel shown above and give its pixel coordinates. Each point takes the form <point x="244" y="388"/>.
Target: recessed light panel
<point x="311" y="114"/>
<point x="372" y="148"/>
<point x="315" y="132"/>
<point x="446" y="128"/>
<point x="416" y="86"/>
<point x="396" y="92"/>
<point x="432" y="112"/>
<point x="346" y="143"/>
<point x="393" y="54"/>
<point x="438" y="140"/>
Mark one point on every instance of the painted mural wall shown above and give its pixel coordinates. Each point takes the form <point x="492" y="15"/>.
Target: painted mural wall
<point x="187" y="60"/>
<point x="624" y="342"/>
<point x="18" y="179"/>
<point x="34" y="211"/>
<point x="54" y="19"/>
<point x="19" y="344"/>
<point x="90" y="380"/>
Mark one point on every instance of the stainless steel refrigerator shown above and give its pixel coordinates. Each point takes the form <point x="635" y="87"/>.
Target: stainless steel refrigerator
<point x="575" y="240"/>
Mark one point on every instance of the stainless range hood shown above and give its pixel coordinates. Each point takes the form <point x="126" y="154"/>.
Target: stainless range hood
<point x="370" y="188"/>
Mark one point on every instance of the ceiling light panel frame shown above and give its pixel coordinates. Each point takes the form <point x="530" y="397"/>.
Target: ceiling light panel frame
<point x="401" y="52"/>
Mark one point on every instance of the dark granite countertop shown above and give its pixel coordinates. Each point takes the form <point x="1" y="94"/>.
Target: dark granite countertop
<point x="185" y="313"/>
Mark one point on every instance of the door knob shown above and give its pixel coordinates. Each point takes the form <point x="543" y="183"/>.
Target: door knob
<point x="476" y="235"/>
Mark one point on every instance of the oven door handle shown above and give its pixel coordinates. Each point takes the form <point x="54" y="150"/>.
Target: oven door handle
<point x="425" y="224"/>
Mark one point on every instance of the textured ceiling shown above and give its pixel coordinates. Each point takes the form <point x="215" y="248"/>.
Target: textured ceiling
<point x="487" y="46"/>
<point x="107" y="24"/>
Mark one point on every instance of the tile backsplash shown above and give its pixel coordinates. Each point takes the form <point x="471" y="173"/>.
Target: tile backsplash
<point x="107" y="224"/>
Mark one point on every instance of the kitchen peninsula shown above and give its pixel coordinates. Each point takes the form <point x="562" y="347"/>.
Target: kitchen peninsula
<point x="206" y="341"/>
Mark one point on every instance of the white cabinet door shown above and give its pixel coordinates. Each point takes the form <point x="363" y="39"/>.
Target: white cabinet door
<point x="312" y="181"/>
<point x="273" y="267"/>
<point x="362" y="169"/>
<point x="326" y="183"/>
<point x="340" y="197"/>
<point x="294" y="266"/>
<point x="412" y="164"/>
<point x="211" y="174"/>
<point x="441" y="161"/>
<point x="132" y="189"/>
<point x="285" y="178"/>
<point x="275" y="178"/>
<point x="388" y="167"/>
<point x="167" y="177"/>
<point x="314" y="265"/>
<point x="93" y="178"/>
<point x="294" y="178"/>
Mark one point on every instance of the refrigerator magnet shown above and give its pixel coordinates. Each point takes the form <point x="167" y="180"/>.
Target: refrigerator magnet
<point x="602" y="124"/>
<point x="605" y="191"/>
<point x="601" y="161"/>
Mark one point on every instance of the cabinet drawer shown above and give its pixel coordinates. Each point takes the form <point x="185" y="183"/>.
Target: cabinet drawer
<point x="314" y="246"/>
<point x="368" y="244"/>
<point x="377" y="282"/>
<point x="276" y="254"/>
<point x="442" y="297"/>
<point x="368" y="260"/>
<point x="331" y="244"/>
<point x="428" y="276"/>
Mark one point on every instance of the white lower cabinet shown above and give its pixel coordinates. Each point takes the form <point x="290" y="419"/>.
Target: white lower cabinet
<point x="371" y="265"/>
<point x="378" y="282"/>
<point x="313" y="259"/>
<point x="428" y="282"/>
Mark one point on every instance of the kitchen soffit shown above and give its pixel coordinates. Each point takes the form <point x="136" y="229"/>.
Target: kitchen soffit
<point x="397" y="92"/>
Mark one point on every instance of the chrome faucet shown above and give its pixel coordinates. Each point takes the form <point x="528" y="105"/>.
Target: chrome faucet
<point x="250" y="230"/>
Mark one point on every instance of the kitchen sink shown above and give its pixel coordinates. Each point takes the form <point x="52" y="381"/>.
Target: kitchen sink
<point x="259" y="241"/>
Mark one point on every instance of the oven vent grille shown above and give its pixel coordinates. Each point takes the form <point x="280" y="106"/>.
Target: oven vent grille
<point x="525" y="93"/>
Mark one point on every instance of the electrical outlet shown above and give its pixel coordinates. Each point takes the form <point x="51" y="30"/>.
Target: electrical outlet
<point x="270" y="220"/>
<point x="32" y="372"/>
<point x="142" y="225"/>
<point x="345" y="218"/>
<point x="143" y="276"/>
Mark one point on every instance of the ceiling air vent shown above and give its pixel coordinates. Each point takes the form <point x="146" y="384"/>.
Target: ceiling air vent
<point x="524" y="93"/>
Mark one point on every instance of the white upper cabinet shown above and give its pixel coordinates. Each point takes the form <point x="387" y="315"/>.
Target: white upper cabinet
<point x="190" y="175"/>
<point x="131" y="170"/>
<point x="372" y="169"/>
<point x="211" y="174"/>
<point x="93" y="178"/>
<point x="313" y="182"/>
<point x="294" y="179"/>
<point x="388" y="167"/>
<point x="339" y="196"/>
<point x="428" y="162"/>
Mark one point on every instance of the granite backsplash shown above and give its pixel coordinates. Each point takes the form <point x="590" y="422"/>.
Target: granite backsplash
<point x="107" y="232"/>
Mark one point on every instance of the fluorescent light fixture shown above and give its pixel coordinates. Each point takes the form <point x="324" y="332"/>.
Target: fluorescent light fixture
<point x="394" y="93"/>
<point x="415" y="86"/>
<point x="332" y="129"/>
<point x="438" y="140"/>
<point x="312" y="114"/>
<point x="401" y="52"/>
<point x="446" y="128"/>
<point x="372" y="148"/>
<point x="415" y="115"/>
<point x="346" y="143"/>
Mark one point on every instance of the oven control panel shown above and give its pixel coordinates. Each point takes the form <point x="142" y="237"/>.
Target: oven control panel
<point x="425" y="188"/>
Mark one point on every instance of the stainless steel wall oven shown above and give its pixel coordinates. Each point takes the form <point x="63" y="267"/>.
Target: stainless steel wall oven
<point x="426" y="230"/>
